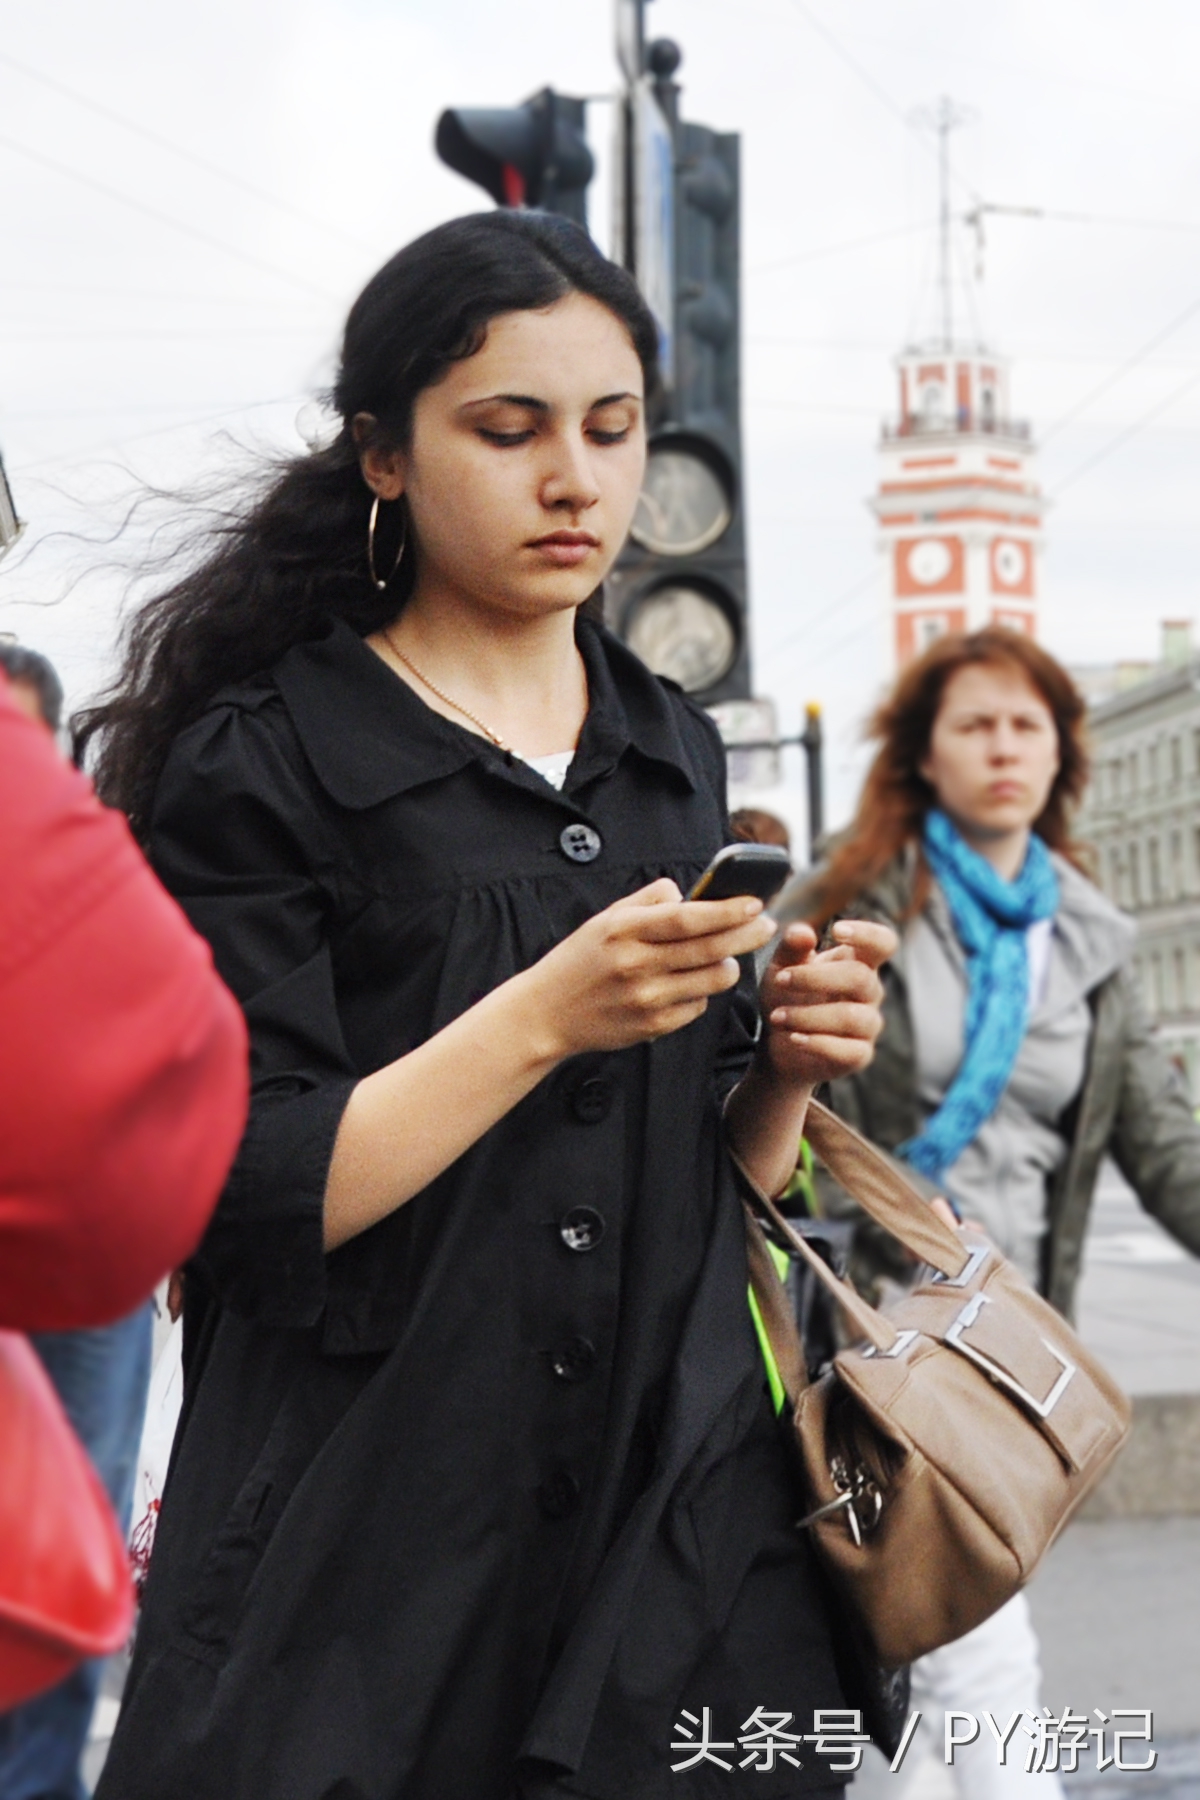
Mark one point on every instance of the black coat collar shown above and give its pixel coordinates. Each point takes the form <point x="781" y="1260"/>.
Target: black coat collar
<point x="369" y="737"/>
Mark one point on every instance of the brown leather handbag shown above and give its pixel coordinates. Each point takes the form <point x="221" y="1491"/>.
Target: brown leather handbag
<point x="949" y="1445"/>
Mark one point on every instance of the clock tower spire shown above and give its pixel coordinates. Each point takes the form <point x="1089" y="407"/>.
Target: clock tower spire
<point x="958" y="504"/>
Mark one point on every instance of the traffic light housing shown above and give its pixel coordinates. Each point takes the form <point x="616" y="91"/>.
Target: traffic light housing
<point x="679" y="592"/>
<point x="535" y="154"/>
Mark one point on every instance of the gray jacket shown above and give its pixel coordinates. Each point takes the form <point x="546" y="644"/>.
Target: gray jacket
<point x="1131" y="1106"/>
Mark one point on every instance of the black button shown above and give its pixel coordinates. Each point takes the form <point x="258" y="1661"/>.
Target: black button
<point x="582" y="1228"/>
<point x="559" y="1494"/>
<point x="573" y="1360"/>
<point x="591" y="1099"/>
<point x="579" y="843"/>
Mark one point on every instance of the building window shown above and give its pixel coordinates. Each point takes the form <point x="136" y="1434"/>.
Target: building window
<point x="1157" y="1005"/>
<point x="1152" y="766"/>
<point x="933" y="404"/>
<point x="1179" y="997"/>
<point x="1133" y="772"/>
<point x="1196" y="751"/>
<point x="1135" y="875"/>
<point x="1154" y="870"/>
<point x="1114" y="775"/>
<point x="1114" y="876"/>
<point x="1176" y="760"/>
<point x="1176" y="864"/>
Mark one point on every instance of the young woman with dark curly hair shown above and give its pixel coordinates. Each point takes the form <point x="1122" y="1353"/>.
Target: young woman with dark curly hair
<point x="478" y="1489"/>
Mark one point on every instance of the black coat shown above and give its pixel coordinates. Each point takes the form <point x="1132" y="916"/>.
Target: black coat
<point x="477" y="1504"/>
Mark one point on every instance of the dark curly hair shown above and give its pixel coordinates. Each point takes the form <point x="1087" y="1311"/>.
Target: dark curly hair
<point x="285" y="560"/>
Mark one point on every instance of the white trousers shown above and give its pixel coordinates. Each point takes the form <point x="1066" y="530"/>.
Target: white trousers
<point x="994" y="1669"/>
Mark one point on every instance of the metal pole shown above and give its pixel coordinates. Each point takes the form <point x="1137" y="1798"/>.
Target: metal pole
<point x="812" y="739"/>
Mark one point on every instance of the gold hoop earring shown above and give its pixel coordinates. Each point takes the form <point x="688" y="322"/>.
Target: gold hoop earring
<point x="371" y="522"/>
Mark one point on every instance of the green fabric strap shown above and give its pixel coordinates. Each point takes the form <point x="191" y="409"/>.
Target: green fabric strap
<point x="778" y="1395"/>
<point x="803" y="1186"/>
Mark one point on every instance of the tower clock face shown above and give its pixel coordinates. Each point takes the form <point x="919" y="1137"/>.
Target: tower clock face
<point x="683" y="506"/>
<point x="1011" y="560"/>
<point x="929" y="561"/>
<point x="684" y="633"/>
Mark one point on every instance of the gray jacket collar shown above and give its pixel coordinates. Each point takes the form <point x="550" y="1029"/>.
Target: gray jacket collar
<point x="1094" y="939"/>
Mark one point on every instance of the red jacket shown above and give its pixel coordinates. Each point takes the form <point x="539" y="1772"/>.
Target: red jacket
<point x="122" y="1057"/>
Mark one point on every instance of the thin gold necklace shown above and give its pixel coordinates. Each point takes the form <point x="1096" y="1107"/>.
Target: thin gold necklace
<point x="443" y="695"/>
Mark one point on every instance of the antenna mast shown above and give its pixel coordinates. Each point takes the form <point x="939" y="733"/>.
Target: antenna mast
<point x="945" y="124"/>
<point x="944" y="117"/>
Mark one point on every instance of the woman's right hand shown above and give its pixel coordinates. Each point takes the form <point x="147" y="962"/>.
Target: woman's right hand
<point x="644" y="967"/>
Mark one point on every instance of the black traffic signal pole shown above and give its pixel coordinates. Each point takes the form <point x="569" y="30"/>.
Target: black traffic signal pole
<point x="535" y="154"/>
<point x="812" y="741"/>
<point x="678" y="593"/>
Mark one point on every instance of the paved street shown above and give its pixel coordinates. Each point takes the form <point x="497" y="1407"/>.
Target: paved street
<point x="1139" y="1301"/>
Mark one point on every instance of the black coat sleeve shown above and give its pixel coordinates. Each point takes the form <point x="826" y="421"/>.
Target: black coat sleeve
<point x="237" y="837"/>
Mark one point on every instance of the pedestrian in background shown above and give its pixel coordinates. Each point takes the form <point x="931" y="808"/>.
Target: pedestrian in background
<point x="101" y="1374"/>
<point x="478" y="1488"/>
<point x="1015" y="1054"/>
<point x="754" y="825"/>
<point x="122" y="1097"/>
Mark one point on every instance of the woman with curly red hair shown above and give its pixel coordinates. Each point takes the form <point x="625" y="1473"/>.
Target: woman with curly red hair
<point x="1014" y="1054"/>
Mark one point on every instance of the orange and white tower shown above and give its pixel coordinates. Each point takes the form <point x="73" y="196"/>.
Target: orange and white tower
<point x="958" y="504"/>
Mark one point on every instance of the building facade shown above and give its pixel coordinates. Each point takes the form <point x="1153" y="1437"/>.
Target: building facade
<point x="1142" y="818"/>
<point x="958" y="505"/>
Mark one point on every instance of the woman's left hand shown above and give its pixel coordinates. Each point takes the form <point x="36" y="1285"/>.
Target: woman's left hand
<point x="822" y="1007"/>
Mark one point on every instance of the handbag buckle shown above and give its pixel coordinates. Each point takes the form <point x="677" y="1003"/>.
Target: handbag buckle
<point x="855" y="1489"/>
<point x="954" y="1337"/>
<point x="976" y="1257"/>
<point x="903" y="1344"/>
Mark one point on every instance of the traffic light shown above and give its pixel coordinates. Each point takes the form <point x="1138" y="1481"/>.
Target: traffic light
<point x="678" y="594"/>
<point x="535" y="154"/>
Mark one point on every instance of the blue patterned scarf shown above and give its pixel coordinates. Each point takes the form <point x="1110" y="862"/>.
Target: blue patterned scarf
<point x="991" y="917"/>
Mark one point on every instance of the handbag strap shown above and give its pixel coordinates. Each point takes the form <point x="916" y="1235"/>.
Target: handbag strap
<point x="873" y="1179"/>
<point x="780" y="1328"/>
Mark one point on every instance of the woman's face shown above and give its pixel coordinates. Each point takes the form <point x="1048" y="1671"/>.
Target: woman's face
<point x="993" y="752"/>
<point x="526" y="461"/>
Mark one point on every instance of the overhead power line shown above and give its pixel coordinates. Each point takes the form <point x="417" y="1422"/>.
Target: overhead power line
<point x="855" y="592"/>
<point x="839" y="49"/>
<point x="859" y="243"/>
<point x="911" y="124"/>
<point x="1123" y="437"/>
<point x="164" y="143"/>
<point x="1131" y="362"/>
<point x="1122" y="220"/>
<point x="161" y="218"/>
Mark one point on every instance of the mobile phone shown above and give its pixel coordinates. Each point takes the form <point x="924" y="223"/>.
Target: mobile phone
<point x="753" y="869"/>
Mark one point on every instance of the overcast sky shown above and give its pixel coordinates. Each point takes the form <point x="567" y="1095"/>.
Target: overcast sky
<point x="192" y="196"/>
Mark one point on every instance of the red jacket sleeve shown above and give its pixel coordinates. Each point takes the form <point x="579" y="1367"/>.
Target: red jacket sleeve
<point x="123" y="1075"/>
